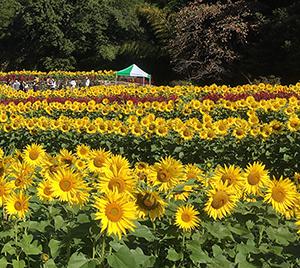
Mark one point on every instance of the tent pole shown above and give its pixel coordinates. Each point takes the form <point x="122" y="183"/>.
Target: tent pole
<point x="143" y="81"/>
<point x="116" y="79"/>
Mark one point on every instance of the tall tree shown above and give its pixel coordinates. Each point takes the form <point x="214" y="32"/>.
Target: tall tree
<point x="208" y="38"/>
<point x="62" y="34"/>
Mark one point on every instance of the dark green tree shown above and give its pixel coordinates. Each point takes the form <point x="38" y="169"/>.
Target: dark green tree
<point x="62" y="34"/>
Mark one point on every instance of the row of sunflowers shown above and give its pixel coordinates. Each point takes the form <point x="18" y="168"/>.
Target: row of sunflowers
<point x="92" y="208"/>
<point x="128" y="176"/>
<point x="30" y="75"/>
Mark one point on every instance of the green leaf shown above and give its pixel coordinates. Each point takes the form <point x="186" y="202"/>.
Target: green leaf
<point x="217" y="251"/>
<point x="50" y="264"/>
<point x="77" y="260"/>
<point x="143" y="231"/>
<point x="197" y="255"/>
<point x="141" y="259"/>
<point x="173" y="255"/>
<point x="3" y="262"/>
<point x="54" y="247"/>
<point x="122" y="258"/>
<point x="7" y="248"/>
<point x="18" y="264"/>
<point x="281" y="235"/>
<point x="29" y="247"/>
<point x="83" y="218"/>
<point x="58" y="222"/>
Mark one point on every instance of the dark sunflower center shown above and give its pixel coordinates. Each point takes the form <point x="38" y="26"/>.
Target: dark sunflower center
<point x="227" y="177"/>
<point x="163" y="176"/>
<point x="254" y="178"/>
<point x="278" y="194"/>
<point x="65" y="185"/>
<point x="18" y="205"/>
<point x="186" y="217"/>
<point x="34" y="154"/>
<point x="220" y="199"/>
<point x="47" y="191"/>
<point x="113" y="212"/>
<point x="117" y="183"/>
<point x="98" y="161"/>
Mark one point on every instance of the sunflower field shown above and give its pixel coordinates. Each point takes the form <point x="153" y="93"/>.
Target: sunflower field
<point x="128" y="176"/>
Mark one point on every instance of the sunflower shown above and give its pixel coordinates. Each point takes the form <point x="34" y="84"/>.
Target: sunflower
<point x="221" y="201"/>
<point x="96" y="159"/>
<point x="49" y="166"/>
<point x="116" y="177"/>
<point x="293" y="123"/>
<point x="22" y="175"/>
<point x="191" y="171"/>
<point x="147" y="175"/>
<point x="34" y="154"/>
<point x="169" y="172"/>
<point x="66" y="158"/>
<point x="44" y="191"/>
<point x="83" y="151"/>
<point x="281" y="194"/>
<point x="67" y="185"/>
<point x="150" y="204"/>
<point x="117" y="162"/>
<point x="231" y="175"/>
<point x="5" y="190"/>
<point x="17" y="204"/>
<point x="117" y="213"/>
<point x="186" y="217"/>
<point x="255" y="178"/>
<point x="182" y="194"/>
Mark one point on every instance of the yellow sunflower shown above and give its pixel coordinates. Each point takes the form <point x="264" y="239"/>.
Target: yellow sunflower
<point x="222" y="199"/>
<point x="150" y="204"/>
<point x="231" y="174"/>
<point x="281" y="194"/>
<point x="67" y="185"/>
<point x="17" y="204"/>
<point x="5" y="190"/>
<point x="49" y="166"/>
<point x="44" y="191"/>
<point x="66" y="158"/>
<point x="96" y="159"/>
<point x="183" y="194"/>
<point x="186" y="218"/>
<point x="117" y="213"/>
<point x="34" y="154"/>
<point x="83" y="151"/>
<point x="169" y="172"/>
<point x="116" y="175"/>
<point x="22" y="175"/>
<point x="191" y="171"/>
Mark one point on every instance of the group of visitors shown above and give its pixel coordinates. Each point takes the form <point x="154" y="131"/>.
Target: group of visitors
<point x="50" y="83"/>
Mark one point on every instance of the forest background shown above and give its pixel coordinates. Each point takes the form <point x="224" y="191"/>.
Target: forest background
<point x="177" y="41"/>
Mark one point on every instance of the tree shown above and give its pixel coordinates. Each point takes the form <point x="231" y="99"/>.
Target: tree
<point x="275" y="49"/>
<point x="208" y="38"/>
<point x="62" y="34"/>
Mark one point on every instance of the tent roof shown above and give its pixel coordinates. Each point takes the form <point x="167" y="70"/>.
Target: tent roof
<point x="134" y="71"/>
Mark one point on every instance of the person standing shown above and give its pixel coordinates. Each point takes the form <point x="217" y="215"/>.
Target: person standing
<point x="36" y="81"/>
<point x="16" y="84"/>
<point x="73" y="83"/>
<point x="87" y="82"/>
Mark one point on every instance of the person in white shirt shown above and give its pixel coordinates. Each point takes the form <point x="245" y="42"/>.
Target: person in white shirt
<point x="16" y="84"/>
<point x="87" y="82"/>
<point x="73" y="83"/>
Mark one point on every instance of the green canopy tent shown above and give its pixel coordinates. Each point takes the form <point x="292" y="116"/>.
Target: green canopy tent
<point x="134" y="71"/>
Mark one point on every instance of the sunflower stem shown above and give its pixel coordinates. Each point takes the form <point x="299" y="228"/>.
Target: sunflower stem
<point x="103" y="248"/>
<point x="183" y="244"/>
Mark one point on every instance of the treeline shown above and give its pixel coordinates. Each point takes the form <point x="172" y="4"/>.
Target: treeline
<point x="201" y="41"/>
